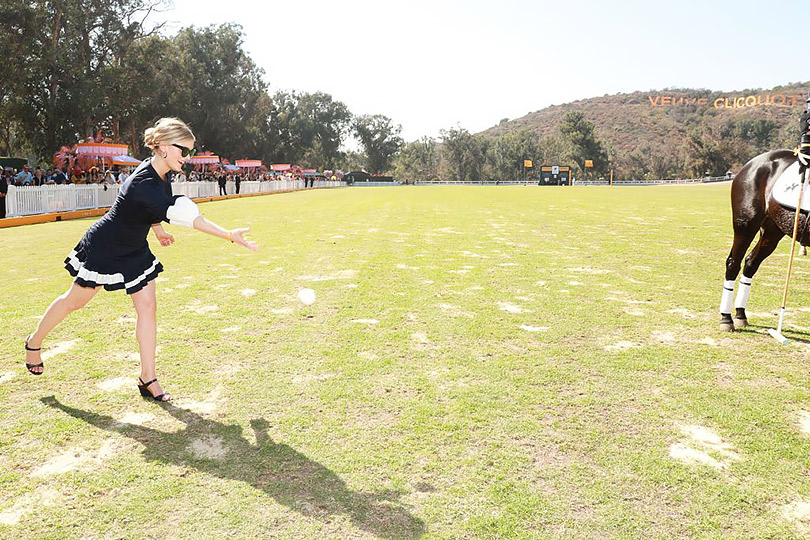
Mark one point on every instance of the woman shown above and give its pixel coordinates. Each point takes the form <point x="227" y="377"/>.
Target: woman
<point x="114" y="252"/>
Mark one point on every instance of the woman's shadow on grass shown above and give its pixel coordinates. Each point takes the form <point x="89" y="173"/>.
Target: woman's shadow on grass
<point x="286" y="475"/>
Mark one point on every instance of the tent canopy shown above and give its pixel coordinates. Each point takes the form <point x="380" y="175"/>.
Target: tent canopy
<point x="204" y="160"/>
<point x="101" y="149"/>
<point x="248" y="163"/>
<point x="14" y="162"/>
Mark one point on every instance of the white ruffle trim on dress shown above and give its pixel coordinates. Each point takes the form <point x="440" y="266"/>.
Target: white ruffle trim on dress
<point x="107" y="279"/>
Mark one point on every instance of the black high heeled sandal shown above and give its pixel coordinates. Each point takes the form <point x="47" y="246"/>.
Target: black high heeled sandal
<point x="30" y="367"/>
<point x="146" y="393"/>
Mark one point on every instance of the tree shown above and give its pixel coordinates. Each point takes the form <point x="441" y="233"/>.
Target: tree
<point x="57" y="54"/>
<point x="311" y="128"/>
<point x="218" y="88"/>
<point x="418" y="160"/>
<point x="507" y="153"/>
<point x="380" y="140"/>
<point x="578" y="134"/>
<point x="463" y="154"/>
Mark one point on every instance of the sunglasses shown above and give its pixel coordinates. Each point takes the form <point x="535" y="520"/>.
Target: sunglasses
<point x="186" y="152"/>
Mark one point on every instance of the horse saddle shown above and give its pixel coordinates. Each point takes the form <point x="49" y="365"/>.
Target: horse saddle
<point x="786" y="188"/>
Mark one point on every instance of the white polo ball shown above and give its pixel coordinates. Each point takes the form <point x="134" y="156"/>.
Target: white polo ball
<point x="307" y="296"/>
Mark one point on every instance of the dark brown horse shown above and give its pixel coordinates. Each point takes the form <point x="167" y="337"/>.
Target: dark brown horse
<point x="753" y="209"/>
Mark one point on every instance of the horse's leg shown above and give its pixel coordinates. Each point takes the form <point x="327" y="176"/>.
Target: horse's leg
<point x="768" y="240"/>
<point x="743" y="236"/>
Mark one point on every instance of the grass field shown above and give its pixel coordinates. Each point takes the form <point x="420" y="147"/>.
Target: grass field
<point x="481" y="362"/>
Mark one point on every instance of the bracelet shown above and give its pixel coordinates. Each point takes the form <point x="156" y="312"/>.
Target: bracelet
<point x="229" y="237"/>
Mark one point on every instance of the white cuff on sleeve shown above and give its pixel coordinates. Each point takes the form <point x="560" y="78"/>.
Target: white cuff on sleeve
<point x="183" y="212"/>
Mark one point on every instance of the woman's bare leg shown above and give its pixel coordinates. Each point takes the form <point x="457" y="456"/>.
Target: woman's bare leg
<point x="145" y="302"/>
<point x="75" y="298"/>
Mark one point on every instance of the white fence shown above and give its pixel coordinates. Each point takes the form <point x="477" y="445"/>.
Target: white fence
<point x="28" y="200"/>
<point x="704" y="180"/>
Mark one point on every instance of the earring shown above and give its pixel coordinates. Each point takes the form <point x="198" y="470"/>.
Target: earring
<point x="165" y="155"/>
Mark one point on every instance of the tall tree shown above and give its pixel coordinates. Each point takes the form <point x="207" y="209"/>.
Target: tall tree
<point x="57" y="53"/>
<point x="418" y="160"/>
<point x="508" y="151"/>
<point x="217" y="87"/>
<point x="582" y="144"/>
<point x="311" y="128"/>
<point x="380" y="140"/>
<point x="463" y="155"/>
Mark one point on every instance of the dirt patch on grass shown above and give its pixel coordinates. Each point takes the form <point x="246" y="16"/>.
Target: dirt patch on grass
<point x="804" y="422"/>
<point x="111" y="385"/>
<point x="420" y="338"/>
<point x="510" y="308"/>
<point x="529" y="328"/>
<point x="59" y="348"/>
<point x="299" y="379"/>
<point x="703" y="447"/>
<point x="207" y="406"/>
<point x="620" y="346"/>
<point x="136" y="418"/>
<point x="29" y="504"/>
<point x="76" y="458"/>
<point x="798" y="513"/>
<point x="662" y="336"/>
<point x="230" y="329"/>
<point x="208" y="447"/>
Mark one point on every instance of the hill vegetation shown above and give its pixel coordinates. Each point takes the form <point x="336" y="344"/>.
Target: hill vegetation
<point x="673" y="132"/>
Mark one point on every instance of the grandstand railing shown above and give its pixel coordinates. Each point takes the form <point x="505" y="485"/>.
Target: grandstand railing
<point x="31" y="200"/>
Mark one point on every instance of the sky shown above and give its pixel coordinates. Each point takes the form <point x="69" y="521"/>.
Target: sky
<point x="441" y="64"/>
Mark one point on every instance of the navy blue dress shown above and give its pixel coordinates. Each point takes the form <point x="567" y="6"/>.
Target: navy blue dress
<point x="114" y="253"/>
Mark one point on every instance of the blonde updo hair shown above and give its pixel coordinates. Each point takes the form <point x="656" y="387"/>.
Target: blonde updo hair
<point x="167" y="130"/>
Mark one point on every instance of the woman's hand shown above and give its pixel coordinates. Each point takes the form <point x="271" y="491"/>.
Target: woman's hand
<point x="237" y="236"/>
<point x="165" y="238"/>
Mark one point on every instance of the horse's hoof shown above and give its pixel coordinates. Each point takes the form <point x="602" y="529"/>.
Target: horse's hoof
<point x="740" y="323"/>
<point x="726" y="327"/>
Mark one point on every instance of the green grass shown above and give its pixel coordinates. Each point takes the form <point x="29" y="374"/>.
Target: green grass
<point x="445" y="419"/>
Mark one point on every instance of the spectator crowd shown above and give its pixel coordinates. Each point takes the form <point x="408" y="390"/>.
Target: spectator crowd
<point x="44" y="177"/>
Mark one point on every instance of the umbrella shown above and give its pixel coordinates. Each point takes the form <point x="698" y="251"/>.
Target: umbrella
<point x="126" y="161"/>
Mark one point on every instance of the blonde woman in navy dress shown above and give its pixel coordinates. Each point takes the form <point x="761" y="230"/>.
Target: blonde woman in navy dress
<point x="114" y="252"/>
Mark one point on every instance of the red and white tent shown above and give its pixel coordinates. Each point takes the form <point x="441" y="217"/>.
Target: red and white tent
<point x="101" y="149"/>
<point x="248" y="163"/>
<point x="204" y="160"/>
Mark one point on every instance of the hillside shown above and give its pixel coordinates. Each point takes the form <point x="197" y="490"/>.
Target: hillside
<point x="642" y="125"/>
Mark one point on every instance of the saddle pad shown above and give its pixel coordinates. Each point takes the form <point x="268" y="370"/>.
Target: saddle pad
<point x="786" y="188"/>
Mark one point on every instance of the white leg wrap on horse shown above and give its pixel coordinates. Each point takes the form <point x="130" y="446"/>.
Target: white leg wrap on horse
<point x="743" y="292"/>
<point x="728" y="297"/>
